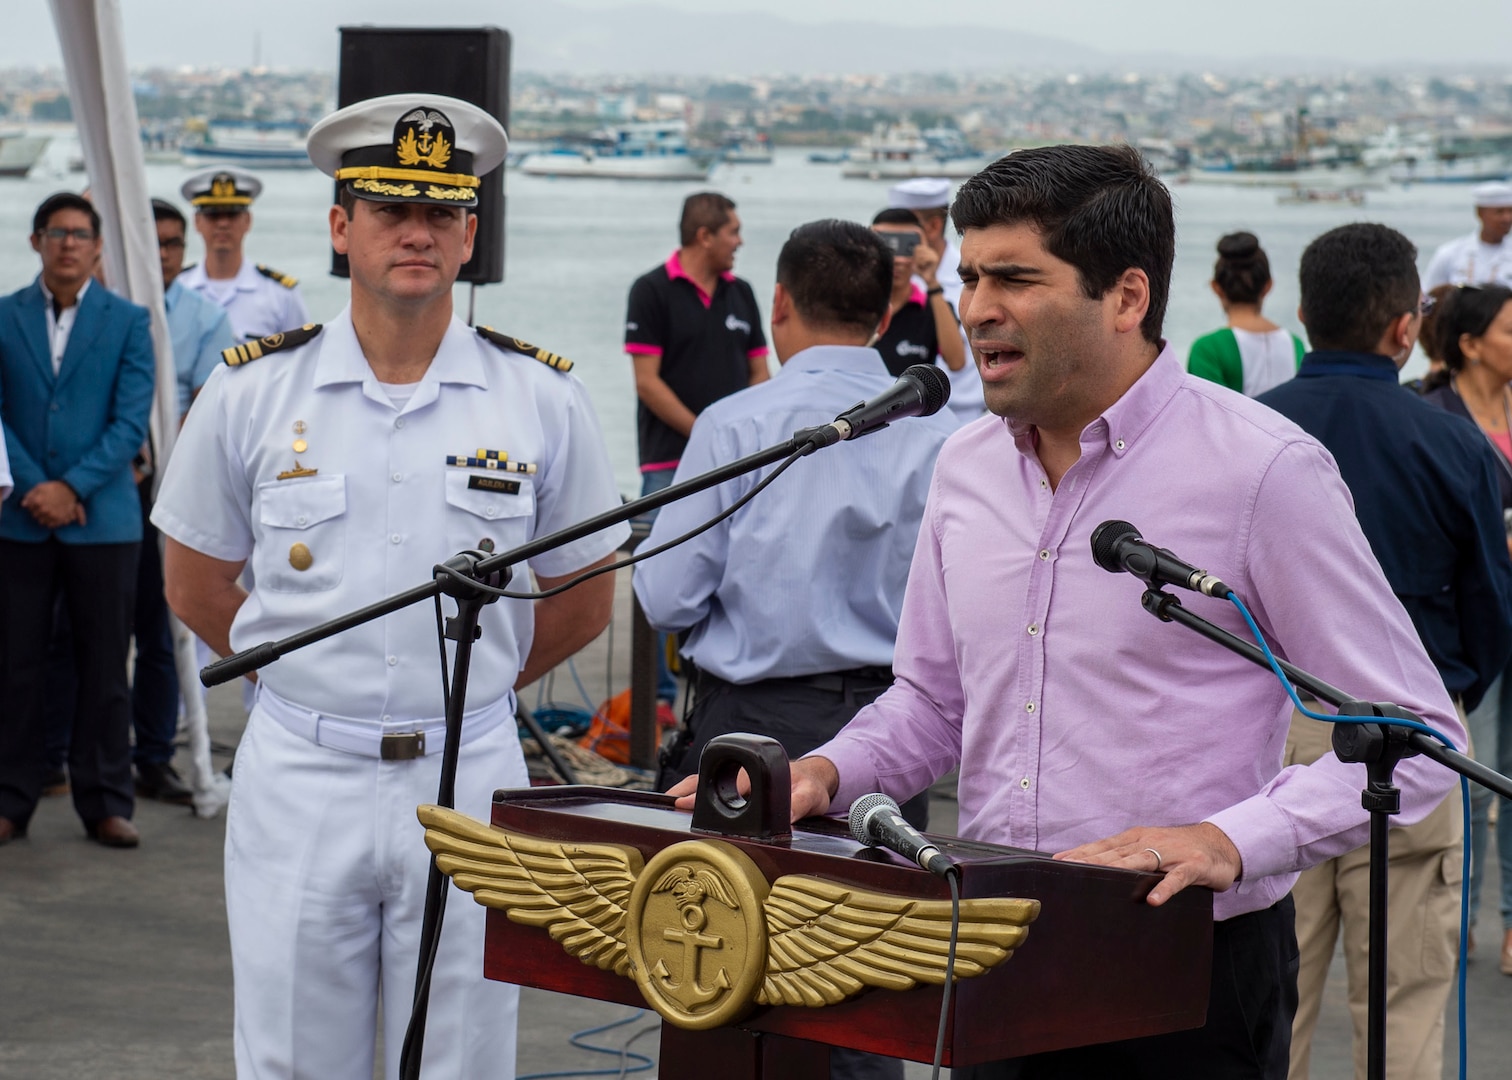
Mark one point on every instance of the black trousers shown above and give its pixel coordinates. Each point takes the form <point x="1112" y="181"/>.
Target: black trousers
<point x="1248" y="1030"/>
<point x="98" y="586"/>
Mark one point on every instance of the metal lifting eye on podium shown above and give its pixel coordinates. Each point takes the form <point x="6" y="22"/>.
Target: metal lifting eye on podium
<point x="720" y="808"/>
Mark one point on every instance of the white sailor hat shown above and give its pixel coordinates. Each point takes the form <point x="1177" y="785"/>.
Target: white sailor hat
<point x="1494" y="195"/>
<point x="221" y="189"/>
<point x="420" y="148"/>
<point x="920" y="193"/>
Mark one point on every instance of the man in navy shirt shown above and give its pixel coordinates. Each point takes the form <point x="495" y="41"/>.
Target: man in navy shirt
<point x="693" y="331"/>
<point x="1425" y="492"/>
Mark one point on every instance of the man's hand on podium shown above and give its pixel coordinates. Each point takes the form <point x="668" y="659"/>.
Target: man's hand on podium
<point x="1188" y="855"/>
<point x="815" y="782"/>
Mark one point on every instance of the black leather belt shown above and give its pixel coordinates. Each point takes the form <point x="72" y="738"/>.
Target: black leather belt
<point x="838" y="682"/>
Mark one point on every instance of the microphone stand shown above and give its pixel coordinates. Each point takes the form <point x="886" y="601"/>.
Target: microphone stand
<point x="463" y="629"/>
<point x="1379" y="747"/>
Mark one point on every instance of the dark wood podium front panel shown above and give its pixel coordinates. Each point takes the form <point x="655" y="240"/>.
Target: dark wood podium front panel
<point x="1099" y="964"/>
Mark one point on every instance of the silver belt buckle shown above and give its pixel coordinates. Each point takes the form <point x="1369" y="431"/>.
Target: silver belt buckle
<point x="402" y="746"/>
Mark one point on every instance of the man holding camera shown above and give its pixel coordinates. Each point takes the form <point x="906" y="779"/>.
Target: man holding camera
<point x="923" y="325"/>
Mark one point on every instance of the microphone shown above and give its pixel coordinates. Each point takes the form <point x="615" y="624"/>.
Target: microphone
<point x="921" y="390"/>
<point x="876" y="821"/>
<point x="1118" y="547"/>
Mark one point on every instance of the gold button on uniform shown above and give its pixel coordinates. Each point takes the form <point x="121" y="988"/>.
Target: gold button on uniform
<point x="300" y="446"/>
<point x="300" y="557"/>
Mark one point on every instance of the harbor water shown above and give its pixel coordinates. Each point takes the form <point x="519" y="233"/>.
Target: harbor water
<point x="573" y="247"/>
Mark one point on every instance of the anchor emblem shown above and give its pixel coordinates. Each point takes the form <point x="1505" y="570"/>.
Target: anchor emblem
<point x="690" y="889"/>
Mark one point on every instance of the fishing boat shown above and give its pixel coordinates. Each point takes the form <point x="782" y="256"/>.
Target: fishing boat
<point x="20" y="151"/>
<point x="640" y="151"/>
<point x="899" y="152"/>
<point x="1299" y="196"/>
<point x="253" y="144"/>
<point x="1451" y="169"/>
<point x="745" y="146"/>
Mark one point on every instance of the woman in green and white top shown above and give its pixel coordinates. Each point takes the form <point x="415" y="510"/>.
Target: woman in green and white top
<point x="1252" y="354"/>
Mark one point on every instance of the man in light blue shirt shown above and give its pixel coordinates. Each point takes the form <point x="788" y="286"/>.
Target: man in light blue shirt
<point x="199" y="328"/>
<point x="798" y="595"/>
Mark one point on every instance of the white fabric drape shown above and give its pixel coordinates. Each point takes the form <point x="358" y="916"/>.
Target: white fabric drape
<point x="94" y="58"/>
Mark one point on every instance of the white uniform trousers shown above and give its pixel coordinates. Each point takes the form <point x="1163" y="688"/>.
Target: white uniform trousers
<point x="325" y="888"/>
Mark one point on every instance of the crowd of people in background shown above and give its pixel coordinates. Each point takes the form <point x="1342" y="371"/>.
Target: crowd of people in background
<point x="1429" y="469"/>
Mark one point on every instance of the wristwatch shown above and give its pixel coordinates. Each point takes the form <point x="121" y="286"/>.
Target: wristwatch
<point x="938" y="290"/>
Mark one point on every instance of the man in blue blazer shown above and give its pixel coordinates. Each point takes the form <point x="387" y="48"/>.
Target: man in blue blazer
<point x="76" y="384"/>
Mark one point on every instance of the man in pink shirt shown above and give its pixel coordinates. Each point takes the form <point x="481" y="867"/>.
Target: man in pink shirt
<point x="1081" y="725"/>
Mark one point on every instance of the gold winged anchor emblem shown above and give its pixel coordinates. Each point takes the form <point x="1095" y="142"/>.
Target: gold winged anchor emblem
<point x="428" y="149"/>
<point x="704" y="935"/>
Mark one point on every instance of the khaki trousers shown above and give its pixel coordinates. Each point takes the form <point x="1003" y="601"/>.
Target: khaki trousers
<point x="1422" y="934"/>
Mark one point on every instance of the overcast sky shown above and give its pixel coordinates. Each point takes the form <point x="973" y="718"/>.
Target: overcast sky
<point x="302" y="33"/>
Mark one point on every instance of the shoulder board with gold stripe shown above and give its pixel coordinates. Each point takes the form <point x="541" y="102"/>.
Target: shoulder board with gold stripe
<point x="277" y="275"/>
<point x="514" y="344"/>
<point x="238" y="355"/>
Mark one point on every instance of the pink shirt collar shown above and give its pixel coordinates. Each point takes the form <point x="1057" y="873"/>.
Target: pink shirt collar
<point x="675" y="270"/>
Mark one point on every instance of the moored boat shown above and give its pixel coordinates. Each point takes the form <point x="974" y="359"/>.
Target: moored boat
<point x="642" y="151"/>
<point x="252" y="144"/>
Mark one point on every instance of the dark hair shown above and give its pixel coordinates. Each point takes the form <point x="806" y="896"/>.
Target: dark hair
<point x="838" y="273"/>
<point x="1469" y="310"/>
<point x="703" y="210"/>
<point x="64" y="200"/>
<point x="896" y="215"/>
<point x="1242" y="271"/>
<point x="1099" y="208"/>
<point x="1355" y="279"/>
<point x="163" y="210"/>
<point x="1428" y="335"/>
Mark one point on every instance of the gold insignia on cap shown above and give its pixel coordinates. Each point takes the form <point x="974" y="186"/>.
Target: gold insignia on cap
<point x="425" y="150"/>
<point x="300" y="558"/>
<point x="378" y="187"/>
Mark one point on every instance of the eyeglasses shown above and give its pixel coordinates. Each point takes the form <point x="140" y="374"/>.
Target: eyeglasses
<point x="57" y="235"/>
<point x="173" y="243"/>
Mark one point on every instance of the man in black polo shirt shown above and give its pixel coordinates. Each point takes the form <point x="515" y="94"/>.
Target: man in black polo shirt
<point x="1425" y="491"/>
<point x="693" y="331"/>
<point x="923" y="324"/>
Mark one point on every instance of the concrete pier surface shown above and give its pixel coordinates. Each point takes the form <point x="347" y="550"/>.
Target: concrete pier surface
<point x="114" y="964"/>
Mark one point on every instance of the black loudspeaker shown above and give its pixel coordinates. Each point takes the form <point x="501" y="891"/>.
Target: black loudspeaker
<point x="467" y="63"/>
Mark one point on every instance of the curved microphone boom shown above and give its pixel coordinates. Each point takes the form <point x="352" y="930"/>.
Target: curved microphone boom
<point x="922" y="390"/>
<point x="1118" y="547"/>
<point x="876" y="821"/>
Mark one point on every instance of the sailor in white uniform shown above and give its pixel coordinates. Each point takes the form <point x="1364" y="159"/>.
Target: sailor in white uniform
<point x="929" y="198"/>
<point x="258" y="300"/>
<point x="342" y="463"/>
<point x="1485" y="256"/>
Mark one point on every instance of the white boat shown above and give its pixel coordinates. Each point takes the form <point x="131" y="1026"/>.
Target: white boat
<point x="253" y="144"/>
<point x="1437" y="169"/>
<point x="642" y="151"/>
<point x="20" y="151"/>
<point x="899" y="152"/>
<point x="743" y="146"/>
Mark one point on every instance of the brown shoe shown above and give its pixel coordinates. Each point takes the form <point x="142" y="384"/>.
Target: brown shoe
<point x="9" y="831"/>
<point x="113" y="832"/>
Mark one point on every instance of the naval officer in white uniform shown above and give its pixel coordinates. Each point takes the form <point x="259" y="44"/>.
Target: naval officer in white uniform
<point x="1484" y="257"/>
<point x="258" y="299"/>
<point x="342" y="463"/>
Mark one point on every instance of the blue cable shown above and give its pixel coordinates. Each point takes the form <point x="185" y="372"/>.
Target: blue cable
<point x="1464" y="784"/>
<point x="622" y="1052"/>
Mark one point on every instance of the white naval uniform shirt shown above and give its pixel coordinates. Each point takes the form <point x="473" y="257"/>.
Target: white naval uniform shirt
<point x="256" y="305"/>
<point x="1467" y="261"/>
<point x="967" y="400"/>
<point x="383" y="506"/>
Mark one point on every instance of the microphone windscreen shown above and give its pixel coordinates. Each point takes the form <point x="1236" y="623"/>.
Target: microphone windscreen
<point x="935" y="385"/>
<point x="1105" y="540"/>
<point x="863" y="806"/>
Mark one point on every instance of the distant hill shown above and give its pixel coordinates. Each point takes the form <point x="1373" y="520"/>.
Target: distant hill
<point x="555" y="37"/>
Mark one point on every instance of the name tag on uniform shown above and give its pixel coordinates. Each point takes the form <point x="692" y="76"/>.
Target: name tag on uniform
<point x="493" y="483"/>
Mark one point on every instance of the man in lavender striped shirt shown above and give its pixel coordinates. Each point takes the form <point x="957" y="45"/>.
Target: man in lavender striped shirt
<point x="1081" y="725"/>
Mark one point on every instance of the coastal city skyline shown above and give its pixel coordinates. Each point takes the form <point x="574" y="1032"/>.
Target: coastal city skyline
<point x="673" y="36"/>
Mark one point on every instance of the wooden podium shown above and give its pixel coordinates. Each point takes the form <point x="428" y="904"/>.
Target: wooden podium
<point x="1098" y="963"/>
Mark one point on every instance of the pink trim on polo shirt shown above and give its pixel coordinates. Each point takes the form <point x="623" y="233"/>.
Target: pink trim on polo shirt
<point x="917" y="295"/>
<point x="658" y="466"/>
<point x="635" y="348"/>
<point x="675" y="270"/>
<point x="757" y="353"/>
